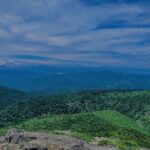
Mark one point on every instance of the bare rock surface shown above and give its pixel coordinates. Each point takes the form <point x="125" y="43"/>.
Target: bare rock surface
<point x="22" y="140"/>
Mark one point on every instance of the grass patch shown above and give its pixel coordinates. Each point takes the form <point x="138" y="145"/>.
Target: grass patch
<point x="89" y="125"/>
<point x="3" y="131"/>
<point x="121" y="144"/>
<point x="120" y="120"/>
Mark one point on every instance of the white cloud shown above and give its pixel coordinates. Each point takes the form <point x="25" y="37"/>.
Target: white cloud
<point x="63" y="30"/>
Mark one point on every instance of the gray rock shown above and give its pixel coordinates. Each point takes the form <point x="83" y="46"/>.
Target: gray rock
<point x="22" y="140"/>
<point x="17" y="136"/>
<point x="34" y="147"/>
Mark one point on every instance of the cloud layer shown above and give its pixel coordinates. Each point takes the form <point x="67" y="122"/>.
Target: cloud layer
<point x="82" y="32"/>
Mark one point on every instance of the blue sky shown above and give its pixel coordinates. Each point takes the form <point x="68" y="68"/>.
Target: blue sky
<point x="111" y="33"/>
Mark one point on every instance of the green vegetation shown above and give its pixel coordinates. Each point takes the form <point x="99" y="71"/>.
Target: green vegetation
<point x="121" y="116"/>
<point x="121" y="144"/>
<point x="11" y="96"/>
<point x="90" y="125"/>
<point x="135" y="104"/>
<point x="120" y="120"/>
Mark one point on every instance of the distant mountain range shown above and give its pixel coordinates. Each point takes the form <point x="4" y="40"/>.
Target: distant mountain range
<point x="54" y="80"/>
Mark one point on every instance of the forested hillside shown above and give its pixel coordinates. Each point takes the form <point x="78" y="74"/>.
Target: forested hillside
<point x="11" y="96"/>
<point x="135" y="104"/>
<point x="120" y="116"/>
<point x="114" y="128"/>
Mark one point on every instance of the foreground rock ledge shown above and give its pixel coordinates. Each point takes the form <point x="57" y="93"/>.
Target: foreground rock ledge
<point x="21" y="140"/>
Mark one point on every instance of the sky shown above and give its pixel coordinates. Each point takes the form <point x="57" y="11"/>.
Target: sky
<point x="93" y="33"/>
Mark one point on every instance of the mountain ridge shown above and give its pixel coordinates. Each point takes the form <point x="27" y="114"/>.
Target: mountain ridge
<point x="71" y="81"/>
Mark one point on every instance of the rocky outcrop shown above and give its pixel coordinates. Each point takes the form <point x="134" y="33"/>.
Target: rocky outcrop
<point x="22" y="140"/>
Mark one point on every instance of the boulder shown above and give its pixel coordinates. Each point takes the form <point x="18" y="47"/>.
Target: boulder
<point x="22" y="140"/>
